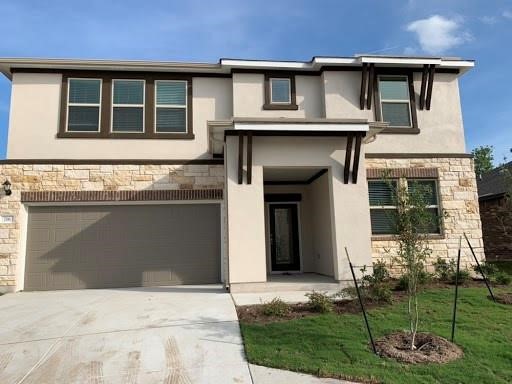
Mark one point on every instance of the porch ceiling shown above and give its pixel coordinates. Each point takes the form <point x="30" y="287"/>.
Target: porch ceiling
<point x="290" y="174"/>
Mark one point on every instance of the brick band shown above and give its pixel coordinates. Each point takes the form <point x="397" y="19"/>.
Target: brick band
<point x="149" y="195"/>
<point x="395" y="173"/>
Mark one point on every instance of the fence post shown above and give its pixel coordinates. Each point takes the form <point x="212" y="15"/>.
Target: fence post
<point x="361" y="302"/>
<point x="480" y="268"/>
<point x="456" y="289"/>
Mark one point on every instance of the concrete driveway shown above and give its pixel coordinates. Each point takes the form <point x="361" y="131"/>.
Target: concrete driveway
<point x="186" y="334"/>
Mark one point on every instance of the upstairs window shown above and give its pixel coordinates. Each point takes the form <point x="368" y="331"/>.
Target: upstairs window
<point x="395" y="101"/>
<point x="128" y="106"/>
<point x="84" y="105"/>
<point x="171" y="106"/>
<point x="280" y="91"/>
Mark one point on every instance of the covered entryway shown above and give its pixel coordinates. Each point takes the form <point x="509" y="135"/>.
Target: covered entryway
<point x="104" y="246"/>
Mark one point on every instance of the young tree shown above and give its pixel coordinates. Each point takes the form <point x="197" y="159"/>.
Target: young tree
<point x="483" y="157"/>
<point x="412" y="221"/>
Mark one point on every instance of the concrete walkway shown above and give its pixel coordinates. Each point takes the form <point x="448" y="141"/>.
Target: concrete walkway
<point x="185" y="335"/>
<point x="264" y="375"/>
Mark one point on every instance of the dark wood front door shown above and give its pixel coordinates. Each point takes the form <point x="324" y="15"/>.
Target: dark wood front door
<point x="284" y="237"/>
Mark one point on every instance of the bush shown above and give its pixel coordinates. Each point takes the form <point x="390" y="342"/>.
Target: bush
<point x="488" y="269"/>
<point x="502" y="278"/>
<point x="464" y="276"/>
<point x="320" y="302"/>
<point x="444" y="270"/>
<point x="403" y="282"/>
<point x="380" y="293"/>
<point x="276" y="307"/>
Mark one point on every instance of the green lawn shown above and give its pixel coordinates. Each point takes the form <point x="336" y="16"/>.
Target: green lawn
<point x="336" y="345"/>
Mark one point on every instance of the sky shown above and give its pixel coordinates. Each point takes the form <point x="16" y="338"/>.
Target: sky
<point x="284" y="30"/>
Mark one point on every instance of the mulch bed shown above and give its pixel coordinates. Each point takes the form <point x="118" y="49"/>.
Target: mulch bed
<point x="502" y="298"/>
<point x="429" y="348"/>
<point x="253" y="314"/>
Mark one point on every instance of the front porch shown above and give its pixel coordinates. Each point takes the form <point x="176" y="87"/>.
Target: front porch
<point x="291" y="288"/>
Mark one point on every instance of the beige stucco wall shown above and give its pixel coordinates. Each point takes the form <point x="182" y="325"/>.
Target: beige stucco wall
<point x="441" y="128"/>
<point x="84" y="177"/>
<point x="249" y="97"/>
<point x="246" y="222"/>
<point x="459" y="202"/>
<point x="34" y="122"/>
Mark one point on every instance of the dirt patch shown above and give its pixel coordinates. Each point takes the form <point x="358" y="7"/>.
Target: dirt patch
<point x="502" y="298"/>
<point x="429" y="348"/>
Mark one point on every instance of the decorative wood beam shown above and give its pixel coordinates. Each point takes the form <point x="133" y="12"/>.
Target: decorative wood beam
<point x="430" y="85"/>
<point x="424" y="78"/>
<point x="240" y="157"/>
<point x="357" y="154"/>
<point x="249" y="157"/>
<point x="348" y="157"/>
<point x="316" y="175"/>
<point x="370" y="86"/>
<point x="364" y="78"/>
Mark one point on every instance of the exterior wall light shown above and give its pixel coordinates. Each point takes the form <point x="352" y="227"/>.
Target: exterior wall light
<point x="7" y="187"/>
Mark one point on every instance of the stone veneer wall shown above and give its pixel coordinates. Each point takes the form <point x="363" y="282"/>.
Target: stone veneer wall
<point x="87" y="177"/>
<point x="458" y="200"/>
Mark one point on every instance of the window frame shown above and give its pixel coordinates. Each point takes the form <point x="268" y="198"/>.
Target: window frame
<point x="105" y="131"/>
<point x="404" y="181"/>
<point x="113" y="105"/>
<point x="68" y="104"/>
<point x="413" y="128"/>
<point x="268" y="104"/>
<point x="271" y="80"/>
<point x="185" y="106"/>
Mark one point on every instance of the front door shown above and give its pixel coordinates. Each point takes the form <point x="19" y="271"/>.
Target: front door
<point x="284" y="237"/>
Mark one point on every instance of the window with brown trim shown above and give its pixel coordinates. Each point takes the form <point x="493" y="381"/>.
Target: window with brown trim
<point x="395" y="102"/>
<point x="125" y="105"/>
<point x="280" y="92"/>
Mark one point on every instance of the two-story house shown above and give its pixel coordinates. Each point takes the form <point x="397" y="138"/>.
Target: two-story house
<point x="127" y="173"/>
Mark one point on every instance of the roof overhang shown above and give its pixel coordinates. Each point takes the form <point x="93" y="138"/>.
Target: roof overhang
<point x="227" y="66"/>
<point x="219" y="129"/>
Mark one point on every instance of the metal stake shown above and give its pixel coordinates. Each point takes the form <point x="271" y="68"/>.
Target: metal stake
<point x="361" y="303"/>
<point x="456" y="289"/>
<point x="480" y="268"/>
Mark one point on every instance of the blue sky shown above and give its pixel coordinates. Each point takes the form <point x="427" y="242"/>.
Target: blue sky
<point x="287" y="30"/>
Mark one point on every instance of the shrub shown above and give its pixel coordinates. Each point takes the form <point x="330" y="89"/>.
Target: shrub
<point x="444" y="270"/>
<point x="276" y="307"/>
<point x="464" y="276"/>
<point x="380" y="293"/>
<point x="403" y="282"/>
<point x="380" y="272"/>
<point x="320" y="302"/>
<point x="488" y="269"/>
<point x="502" y="278"/>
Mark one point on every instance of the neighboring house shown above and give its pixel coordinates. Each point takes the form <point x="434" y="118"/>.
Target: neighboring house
<point x="129" y="173"/>
<point x="494" y="189"/>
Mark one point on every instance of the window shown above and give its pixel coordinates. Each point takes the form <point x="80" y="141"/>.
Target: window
<point x="395" y="102"/>
<point x="280" y="92"/>
<point x="128" y="106"/>
<point x="383" y="210"/>
<point x="83" y="110"/>
<point x="170" y="106"/>
<point x="428" y="189"/>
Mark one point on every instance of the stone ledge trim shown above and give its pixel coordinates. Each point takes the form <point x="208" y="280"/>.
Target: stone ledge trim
<point x="396" y="173"/>
<point x="147" y="195"/>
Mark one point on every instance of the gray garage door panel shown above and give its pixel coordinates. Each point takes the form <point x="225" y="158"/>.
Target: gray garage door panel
<point x="75" y="247"/>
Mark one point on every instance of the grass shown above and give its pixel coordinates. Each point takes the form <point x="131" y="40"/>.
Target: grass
<point x="337" y="345"/>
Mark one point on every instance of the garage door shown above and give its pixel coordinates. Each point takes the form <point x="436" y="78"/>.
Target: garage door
<point x="75" y="247"/>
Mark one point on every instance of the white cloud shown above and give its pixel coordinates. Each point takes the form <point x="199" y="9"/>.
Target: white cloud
<point x="507" y="14"/>
<point x="438" y="34"/>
